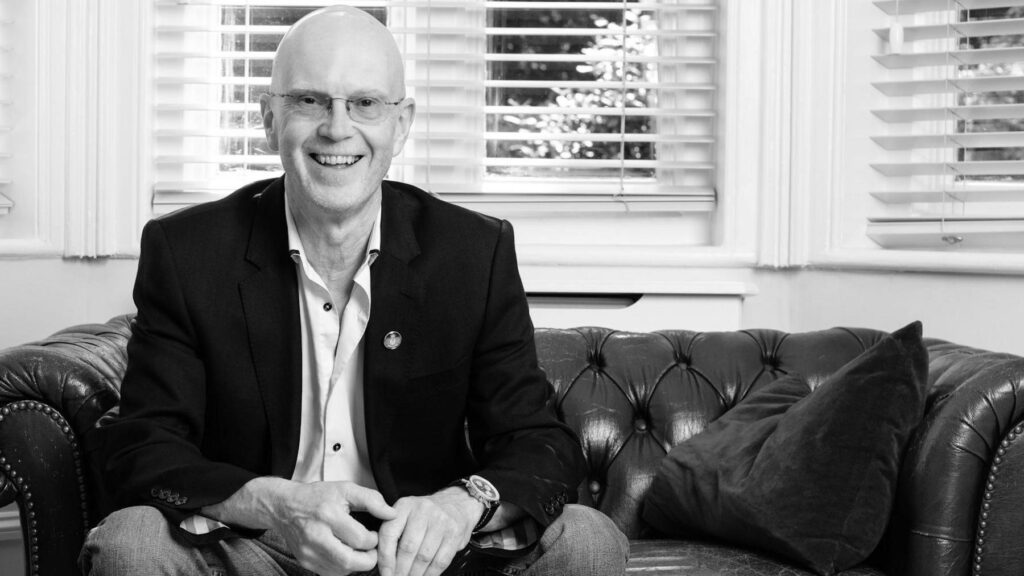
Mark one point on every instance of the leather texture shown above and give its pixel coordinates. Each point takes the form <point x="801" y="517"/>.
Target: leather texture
<point x="695" y="558"/>
<point x="630" y="397"/>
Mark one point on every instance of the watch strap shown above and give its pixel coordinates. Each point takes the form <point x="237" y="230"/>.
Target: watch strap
<point x="486" y="517"/>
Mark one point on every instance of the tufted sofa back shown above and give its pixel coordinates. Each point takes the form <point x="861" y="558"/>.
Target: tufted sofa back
<point x="629" y="396"/>
<point x="633" y="396"/>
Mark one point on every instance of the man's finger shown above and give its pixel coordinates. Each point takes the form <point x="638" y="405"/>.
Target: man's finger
<point x="425" y="555"/>
<point x="364" y="499"/>
<point x="353" y="534"/>
<point x="387" y="549"/>
<point x="323" y="553"/>
<point x="408" y="547"/>
<point x="443" y="558"/>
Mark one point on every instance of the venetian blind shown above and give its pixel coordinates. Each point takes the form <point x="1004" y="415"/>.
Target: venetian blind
<point x="6" y="104"/>
<point x="607" y="104"/>
<point x="952" y="155"/>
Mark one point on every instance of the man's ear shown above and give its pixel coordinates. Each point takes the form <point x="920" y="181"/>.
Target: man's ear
<point x="267" y="111"/>
<point x="406" y="114"/>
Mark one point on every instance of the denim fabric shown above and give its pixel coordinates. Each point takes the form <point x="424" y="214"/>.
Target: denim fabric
<point x="137" y="540"/>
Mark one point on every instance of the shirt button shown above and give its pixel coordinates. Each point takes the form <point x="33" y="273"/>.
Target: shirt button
<point x="336" y="447"/>
<point x="328" y="306"/>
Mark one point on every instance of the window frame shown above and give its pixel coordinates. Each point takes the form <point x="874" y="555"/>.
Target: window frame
<point x="96" y="205"/>
<point x="735" y="239"/>
<point x="829" y="216"/>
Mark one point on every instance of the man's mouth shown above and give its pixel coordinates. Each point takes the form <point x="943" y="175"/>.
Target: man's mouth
<point x="334" y="159"/>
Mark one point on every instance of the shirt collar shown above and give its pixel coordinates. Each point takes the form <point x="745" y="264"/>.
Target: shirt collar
<point x="295" y="243"/>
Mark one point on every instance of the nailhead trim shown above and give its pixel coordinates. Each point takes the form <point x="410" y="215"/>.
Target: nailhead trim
<point x="990" y="485"/>
<point x="32" y="546"/>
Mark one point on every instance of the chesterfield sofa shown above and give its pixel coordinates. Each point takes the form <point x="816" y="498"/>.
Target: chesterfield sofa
<point x="959" y="510"/>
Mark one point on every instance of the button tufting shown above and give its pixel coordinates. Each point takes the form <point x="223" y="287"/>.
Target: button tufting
<point x="640" y="425"/>
<point x="594" y="486"/>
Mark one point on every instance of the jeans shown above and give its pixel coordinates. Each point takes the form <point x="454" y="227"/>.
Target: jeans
<point x="138" y="541"/>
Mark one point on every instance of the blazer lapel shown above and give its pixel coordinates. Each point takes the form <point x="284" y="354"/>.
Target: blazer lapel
<point x="396" y="294"/>
<point x="271" y="309"/>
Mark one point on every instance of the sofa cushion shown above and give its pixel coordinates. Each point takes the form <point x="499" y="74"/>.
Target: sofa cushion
<point x="809" y="476"/>
<point x="706" y="558"/>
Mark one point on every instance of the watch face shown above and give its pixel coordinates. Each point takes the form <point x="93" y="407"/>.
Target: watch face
<point x="484" y="488"/>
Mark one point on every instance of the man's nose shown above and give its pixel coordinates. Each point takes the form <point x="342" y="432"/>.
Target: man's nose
<point x="336" y="125"/>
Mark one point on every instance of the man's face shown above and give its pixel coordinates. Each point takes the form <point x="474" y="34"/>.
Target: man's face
<point x="334" y="163"/>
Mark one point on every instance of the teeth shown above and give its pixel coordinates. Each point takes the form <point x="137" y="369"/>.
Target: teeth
<point x="335" y="160"/>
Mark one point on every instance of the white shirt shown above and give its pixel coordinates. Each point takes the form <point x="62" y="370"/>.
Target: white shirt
<point x="332" y="437"/>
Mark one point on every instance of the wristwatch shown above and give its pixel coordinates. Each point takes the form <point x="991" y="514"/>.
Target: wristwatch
<point x="485" y="493"/>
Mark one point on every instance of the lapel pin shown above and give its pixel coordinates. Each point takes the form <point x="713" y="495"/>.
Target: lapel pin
<point x="392" y="340"/>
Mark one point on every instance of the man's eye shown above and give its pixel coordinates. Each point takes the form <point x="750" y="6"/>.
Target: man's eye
<point x="306" y="100"/>
<point x="366" y="102"/>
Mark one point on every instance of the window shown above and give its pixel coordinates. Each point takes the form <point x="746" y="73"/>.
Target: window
<point x="559" y="106"/>
<point x="951" y="151"/>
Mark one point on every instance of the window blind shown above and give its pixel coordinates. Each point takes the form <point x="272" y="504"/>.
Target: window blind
<point x="952" y="155"/>
<point x="6" y="105"/>
<point x="603" y="105"/>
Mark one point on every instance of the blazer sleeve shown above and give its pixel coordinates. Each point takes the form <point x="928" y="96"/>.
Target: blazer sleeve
<point x="152" y="449"/>
<point x="532" y="458"/>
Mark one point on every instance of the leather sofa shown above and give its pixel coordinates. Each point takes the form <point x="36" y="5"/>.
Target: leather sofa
<point x="630" y="396"/>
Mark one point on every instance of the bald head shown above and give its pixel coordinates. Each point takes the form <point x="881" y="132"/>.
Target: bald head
<point x="336" y="40"/>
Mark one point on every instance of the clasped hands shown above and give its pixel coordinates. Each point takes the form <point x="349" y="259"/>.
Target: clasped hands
<point x="419" y="535"/>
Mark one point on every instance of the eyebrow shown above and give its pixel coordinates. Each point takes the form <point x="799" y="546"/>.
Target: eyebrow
<point x="356" y="94"/>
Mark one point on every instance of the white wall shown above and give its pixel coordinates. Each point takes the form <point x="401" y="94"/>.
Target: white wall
<point x="976" y="310"/>
<point x="38" y="297"/>
<point x="41" y="296"/>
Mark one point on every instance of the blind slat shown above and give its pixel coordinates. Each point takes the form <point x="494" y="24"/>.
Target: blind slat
<point x="949" y="234"/>
<point x="985" y="112"/>
<point x="917" y="87"/>
<point x="963" y="29"/>
<point x="972" y="194"/>
<point x="437" y="4"/>
<point x="273" y="160"/>
<point x="958" y="140"/>
<point x="665" y="60"/>
<point x="952" y="57"/>
<point x="255" y="133"/>
<point x="904" y="7"/>
<point x="979" y="168"/>
<point x="552" y="163"/>
<point x="422" y="109"/>
<point x="608" y="5"/>
<point x="598" y="85"/>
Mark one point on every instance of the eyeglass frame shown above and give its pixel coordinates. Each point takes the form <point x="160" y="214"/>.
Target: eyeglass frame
<point x="348" y="103"/>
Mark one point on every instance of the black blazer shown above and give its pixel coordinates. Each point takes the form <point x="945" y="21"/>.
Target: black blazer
<point x="211" y="397"/>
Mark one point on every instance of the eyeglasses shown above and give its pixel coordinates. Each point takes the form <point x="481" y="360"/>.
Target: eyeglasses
<point x="364" y="109"/>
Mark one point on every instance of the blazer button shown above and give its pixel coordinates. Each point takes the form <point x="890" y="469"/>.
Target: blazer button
<point x="154" y="493"/>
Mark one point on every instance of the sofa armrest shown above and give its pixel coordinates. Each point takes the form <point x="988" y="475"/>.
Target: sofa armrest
<point x="957" y="509"/>
<point x="40" y="458"/>
<point x="77" y="371"/>
<point x="52" y="392"/>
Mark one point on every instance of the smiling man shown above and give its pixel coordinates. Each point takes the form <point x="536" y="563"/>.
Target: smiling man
<point x="311" y="354"/>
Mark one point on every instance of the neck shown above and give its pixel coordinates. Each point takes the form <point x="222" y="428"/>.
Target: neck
<point x="334" y="243"/>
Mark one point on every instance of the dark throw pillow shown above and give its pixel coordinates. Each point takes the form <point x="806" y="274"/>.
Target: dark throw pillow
<point x="808" y="476"/>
